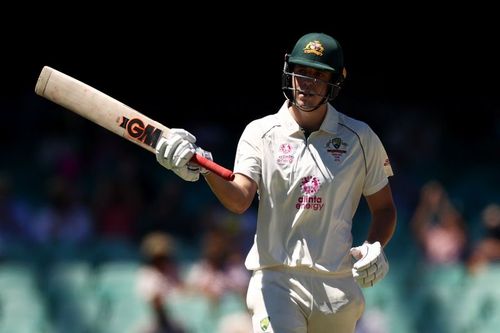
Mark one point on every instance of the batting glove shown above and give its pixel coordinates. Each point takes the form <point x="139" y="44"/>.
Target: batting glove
<point x="207" y="155"/>
<point x="175" y="151"/>
<point x="371" y="264"/>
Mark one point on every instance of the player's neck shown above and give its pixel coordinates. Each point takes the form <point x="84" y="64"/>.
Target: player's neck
<point x="310" y="121"/>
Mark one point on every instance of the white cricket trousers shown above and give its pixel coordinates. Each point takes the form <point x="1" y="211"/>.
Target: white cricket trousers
<point x="301" y="300"/>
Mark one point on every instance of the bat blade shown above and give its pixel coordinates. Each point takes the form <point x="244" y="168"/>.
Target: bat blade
<point x="99" y="108"/>
<point x="110" y="113"/>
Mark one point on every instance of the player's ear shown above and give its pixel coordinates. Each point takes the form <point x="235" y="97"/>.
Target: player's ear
<point x="340" y="78"/>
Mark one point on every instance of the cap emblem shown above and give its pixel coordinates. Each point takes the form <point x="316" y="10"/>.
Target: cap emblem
<point x="314" y="47"/>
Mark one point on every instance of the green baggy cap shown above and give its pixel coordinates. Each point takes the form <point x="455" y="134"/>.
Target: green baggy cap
<point x="318" y="50"/>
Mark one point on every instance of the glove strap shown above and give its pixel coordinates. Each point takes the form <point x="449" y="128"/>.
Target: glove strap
<point x="208" y="156"/>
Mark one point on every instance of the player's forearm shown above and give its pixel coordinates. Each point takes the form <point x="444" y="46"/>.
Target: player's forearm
<point x="235" y="195"/>
<point x="383" y="225"/>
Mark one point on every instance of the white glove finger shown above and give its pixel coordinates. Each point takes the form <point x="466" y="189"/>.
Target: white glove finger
<point x="160" y="150"/>
<point x="370" y="255"/>
<point x="187" y="174"/>
<point x="364" y="263"/>
<point x="368" y="270"/>
<point x="373" y="278"/>
<point x="382" y="263"/>
<point x="364" y="282"/>
<point x="183" y="153"/>
<point x="166" y="150"/>
<point x="182" y="133"/>
<point x="381" y="273"/>
<point x="207" y="155"/>
<point x="160" y="146"/>
<point x="169" y="154"/>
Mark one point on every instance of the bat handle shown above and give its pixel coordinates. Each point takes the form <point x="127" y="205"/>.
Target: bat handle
<point x="212" y="166"/>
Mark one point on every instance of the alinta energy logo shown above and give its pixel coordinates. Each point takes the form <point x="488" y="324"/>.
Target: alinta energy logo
<point x="286" y="154"/>
<point x="309" y="187"/>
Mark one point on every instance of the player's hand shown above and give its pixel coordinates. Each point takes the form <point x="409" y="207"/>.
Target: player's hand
<point x="371" y="264"/>
<point x="207" y="155"/>
<point x="175" y="151"/>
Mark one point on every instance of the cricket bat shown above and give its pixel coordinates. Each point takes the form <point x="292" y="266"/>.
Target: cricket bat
<point x="110" y="113"/>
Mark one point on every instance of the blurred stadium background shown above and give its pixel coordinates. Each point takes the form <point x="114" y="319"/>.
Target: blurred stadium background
<point x="430" y="96"/>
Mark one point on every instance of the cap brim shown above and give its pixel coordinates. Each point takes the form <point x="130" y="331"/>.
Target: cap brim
<point x="311" y="63"/>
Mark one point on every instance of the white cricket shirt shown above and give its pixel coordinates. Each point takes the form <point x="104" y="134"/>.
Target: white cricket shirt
<point x="309" y="189"/>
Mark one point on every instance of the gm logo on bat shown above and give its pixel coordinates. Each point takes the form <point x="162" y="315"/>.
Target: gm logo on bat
<point x="136" y="128"/>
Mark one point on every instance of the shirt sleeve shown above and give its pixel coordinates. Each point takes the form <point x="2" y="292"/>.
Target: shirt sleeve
<point x="248" y="159"/>
<point x="377" y="164"/>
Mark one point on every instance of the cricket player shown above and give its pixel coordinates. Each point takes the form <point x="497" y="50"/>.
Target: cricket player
<point x="310" y="164"/>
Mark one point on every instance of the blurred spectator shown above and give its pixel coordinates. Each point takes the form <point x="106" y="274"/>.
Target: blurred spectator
<point x="438" y="226"/>
<point x="488" y="248"/>
<point x="157" y="280"/>
<point x="237" y="322"/>
<point x="118" y="200"/>
<point x="15" y="214"/>
<point x="117" y="207"/>
<point x="64" y="218"/>
<point x="221" y="271"/>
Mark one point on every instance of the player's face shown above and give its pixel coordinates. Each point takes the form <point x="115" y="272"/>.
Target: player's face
<point x="311" y="85"/>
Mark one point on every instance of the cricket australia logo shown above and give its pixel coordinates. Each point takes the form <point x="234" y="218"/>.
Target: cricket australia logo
<point x="314" y="47"/>
<point x="265" y="324"/>
<point x="285" y="156"/>
<point x="309" y="187"/>
<point x="337" y="148"/>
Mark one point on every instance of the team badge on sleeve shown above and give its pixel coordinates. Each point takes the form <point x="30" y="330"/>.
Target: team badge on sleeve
<point x="265" y="324"/>
<point x="388" y="167"/>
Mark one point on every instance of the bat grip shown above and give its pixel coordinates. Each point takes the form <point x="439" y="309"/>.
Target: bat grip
<point x="212" y="166"/>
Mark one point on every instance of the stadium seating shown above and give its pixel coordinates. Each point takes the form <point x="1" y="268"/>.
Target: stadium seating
<point x="86" y="296"/>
